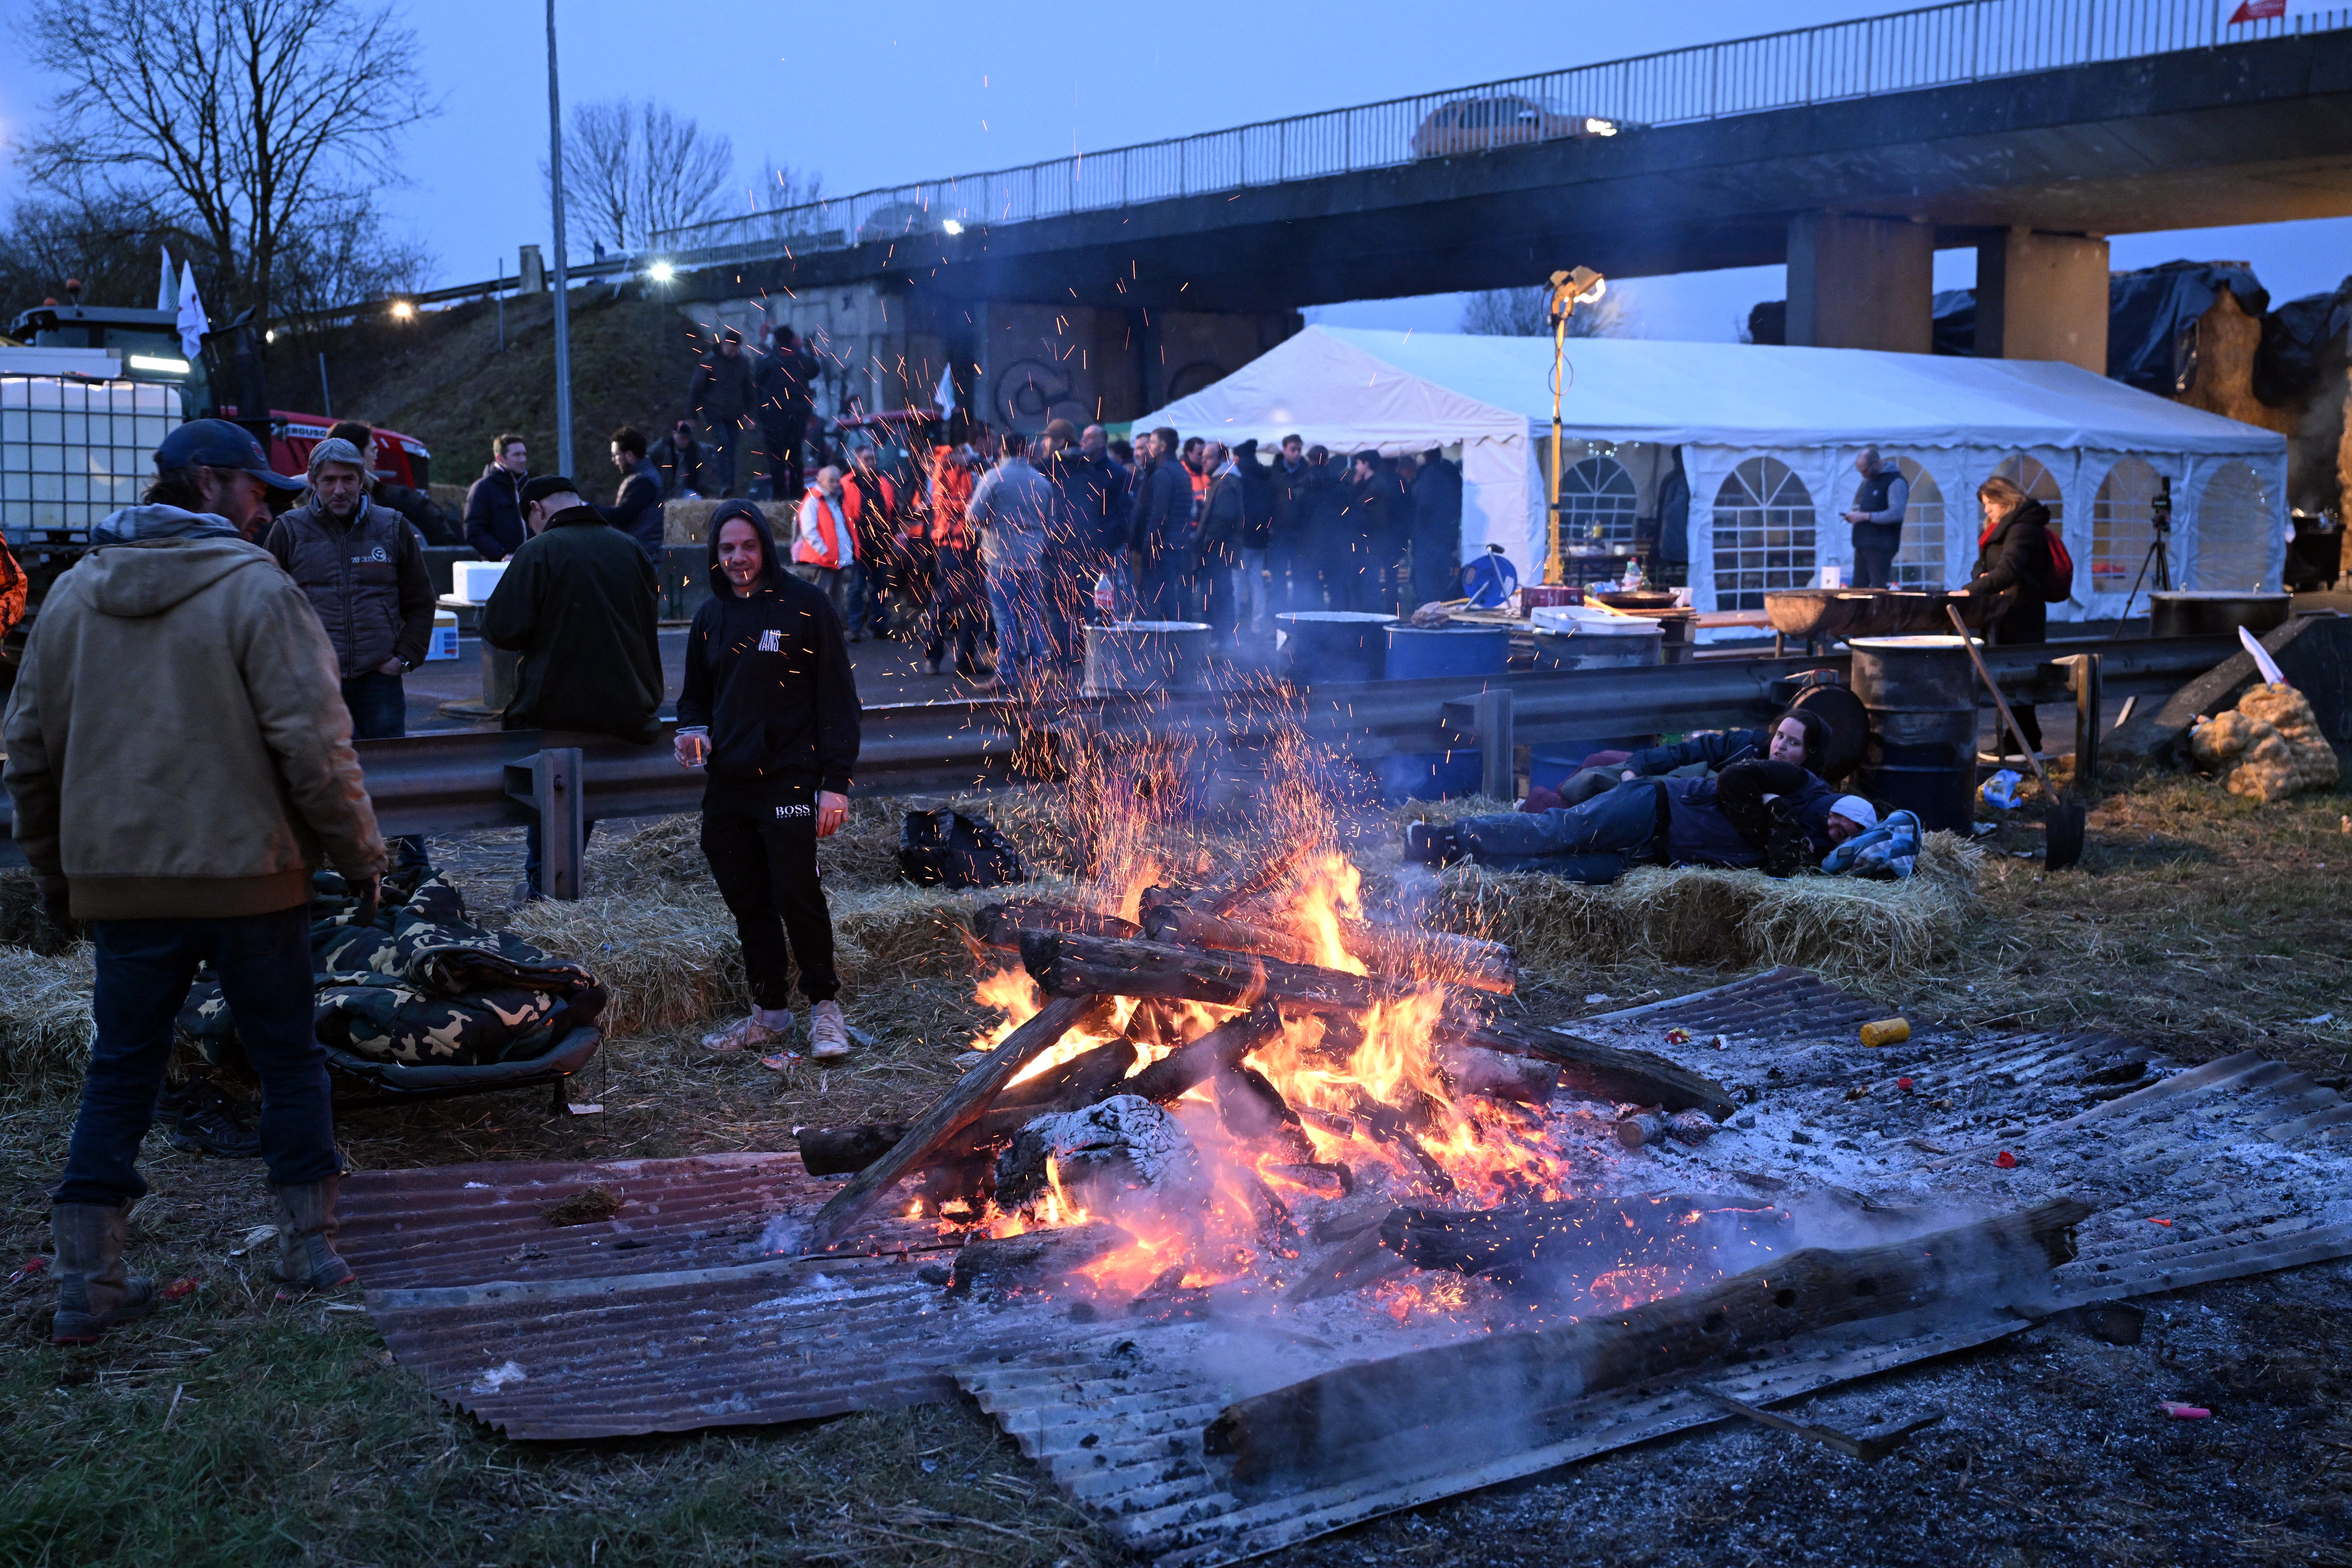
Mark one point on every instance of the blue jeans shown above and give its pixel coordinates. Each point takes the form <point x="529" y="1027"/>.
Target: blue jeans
<point x="1594" y="842"/>
<point x="378" y="706"/>
<point x="144" y="971"/>
<point x="1025" y="643"/>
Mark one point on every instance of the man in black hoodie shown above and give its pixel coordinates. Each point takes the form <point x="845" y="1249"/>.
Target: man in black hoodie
<point x="770" y="708"/>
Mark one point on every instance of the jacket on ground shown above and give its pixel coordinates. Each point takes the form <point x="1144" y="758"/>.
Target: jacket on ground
<point x="769" y="678"/>
<point x="178" y="746"/>
<point x="579" y="604"/>
<point x="494" y="525"/>
<point x="365" y="577"/>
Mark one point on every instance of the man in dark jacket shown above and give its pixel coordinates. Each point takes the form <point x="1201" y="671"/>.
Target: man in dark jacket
<point x="1161" y="535"/>
<point x="770" y="709"/>
<point x="2013" y="563"/>
<point x="1250" y="609"/>
<point x="1879" y="502"/>
<point x="1775" y="815"/>
<point x="1084" y="532"/>
<point x="362" y="565"/>
<point x="637" y="509"/>
<point x="494" y="525"/>
<point x="721" y="396"/>
<point x="1378" y="530"/>
<point x="784" y="380"/>
<point x="684" y="465"/>
<point x="1329" y="554"/>
<point x="578" y="602"/>
<point x="1436" y="535"/>
<point x="1217" y="544"/>
<point x="1287" y="543"/>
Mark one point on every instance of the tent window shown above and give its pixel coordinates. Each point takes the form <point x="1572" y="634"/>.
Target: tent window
<point x="1597" y="503"/>
<point x="2123" y="524"/>
<point x="2234" y="525"/>
<point x="2039" y="484"/>
<point x="1920" y="562"/>
<point x="1764" y="525"/>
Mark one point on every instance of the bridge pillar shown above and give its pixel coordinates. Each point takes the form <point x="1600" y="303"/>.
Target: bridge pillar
<point x="1861" y="282"/>
<point x="2042" y="296"/>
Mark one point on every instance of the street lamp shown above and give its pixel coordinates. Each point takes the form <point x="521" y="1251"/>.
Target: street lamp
<point x="402" y="310"/>
<point x="1580" y="285"/>
<point x="661" y="272"/>
<point x="952" y="227"/>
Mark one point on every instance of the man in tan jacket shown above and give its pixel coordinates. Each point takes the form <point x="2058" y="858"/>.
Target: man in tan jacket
<point x="180" y="757"/>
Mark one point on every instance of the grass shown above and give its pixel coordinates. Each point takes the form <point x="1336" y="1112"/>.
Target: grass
<point x="2199" y="921"/>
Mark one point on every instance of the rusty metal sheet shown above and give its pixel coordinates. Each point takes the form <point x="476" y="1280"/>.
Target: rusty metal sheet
<point x="1778" y="1004"/>
<point x="462" y="1224"/>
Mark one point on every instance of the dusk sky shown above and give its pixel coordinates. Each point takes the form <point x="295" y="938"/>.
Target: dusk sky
<point x="874" y="96"/>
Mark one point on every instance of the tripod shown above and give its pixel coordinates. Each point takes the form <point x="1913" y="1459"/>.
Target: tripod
<point x="2159" y="516"/>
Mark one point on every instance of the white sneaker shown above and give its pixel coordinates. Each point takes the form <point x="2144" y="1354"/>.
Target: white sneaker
<point x="746" y="1034"/>
<point x="828" y="1032"/>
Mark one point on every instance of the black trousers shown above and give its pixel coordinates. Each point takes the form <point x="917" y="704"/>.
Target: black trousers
<point x="761" y="840"/>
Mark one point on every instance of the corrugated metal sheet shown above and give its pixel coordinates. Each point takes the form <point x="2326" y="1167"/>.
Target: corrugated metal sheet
<point x="1779" y="1003"/>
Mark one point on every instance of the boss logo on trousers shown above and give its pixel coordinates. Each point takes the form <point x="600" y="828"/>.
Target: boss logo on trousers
<point x="795" y="811"/>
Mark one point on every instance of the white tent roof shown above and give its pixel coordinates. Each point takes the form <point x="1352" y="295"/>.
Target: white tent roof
<point x="1345" y="387"/>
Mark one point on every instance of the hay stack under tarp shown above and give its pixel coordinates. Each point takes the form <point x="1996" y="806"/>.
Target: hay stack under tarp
<point x="1692" y="914"/>
<point x="44" y="1027"/>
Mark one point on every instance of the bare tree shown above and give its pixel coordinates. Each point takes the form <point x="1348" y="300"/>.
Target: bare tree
<point x="634" y="171"/>
<point x="1527" y="313"/>
<point x="106" y="242"/>
<point x="339" y="252"/>
<point x="242" y="112"/>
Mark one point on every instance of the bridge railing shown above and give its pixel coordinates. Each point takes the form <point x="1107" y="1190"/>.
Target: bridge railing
<point x="1936" y="46"/>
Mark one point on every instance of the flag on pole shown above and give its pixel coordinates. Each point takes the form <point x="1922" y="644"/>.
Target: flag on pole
<point x="945" y="395"/>
<point x="192" y="325"/>
<point x="167" y="293"/>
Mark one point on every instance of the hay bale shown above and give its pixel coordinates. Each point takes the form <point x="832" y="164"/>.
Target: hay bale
<point x="45" y="1023"/>
<point x="1701" y="915"/>
<point x="665" y="963"/>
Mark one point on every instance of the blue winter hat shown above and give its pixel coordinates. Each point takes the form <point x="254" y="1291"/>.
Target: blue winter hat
<point x="217" y="444"/>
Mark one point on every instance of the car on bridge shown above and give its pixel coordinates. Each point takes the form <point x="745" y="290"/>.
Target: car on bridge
<point x="1487" y="121"/>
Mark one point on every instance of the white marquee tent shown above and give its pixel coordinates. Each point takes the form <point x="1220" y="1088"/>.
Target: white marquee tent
<point x="1768" y="437"/>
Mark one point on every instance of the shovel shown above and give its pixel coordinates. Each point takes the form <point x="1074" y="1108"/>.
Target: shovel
<point x="2062" y="827"/>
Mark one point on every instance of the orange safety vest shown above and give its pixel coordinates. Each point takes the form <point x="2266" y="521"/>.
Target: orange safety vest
<point x="823" y="538"/>
<point x="951" y="485"/>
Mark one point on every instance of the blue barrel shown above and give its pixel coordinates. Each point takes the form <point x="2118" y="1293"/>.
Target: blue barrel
<point x="1417" y="653"/>
<point x="1334" y="644"/>
<point x="1430" y="775"/>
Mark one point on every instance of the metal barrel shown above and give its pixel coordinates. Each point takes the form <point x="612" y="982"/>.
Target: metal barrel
<point x="1922" y="698"/>
<point x="2203" y="614"/>
<point x="1145" y="656"/>
<point x="1334" y="644"/>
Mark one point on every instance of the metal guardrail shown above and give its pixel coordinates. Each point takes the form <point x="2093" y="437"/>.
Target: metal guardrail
<point x="469" y="780"/>
<point x="1936" y="46"/>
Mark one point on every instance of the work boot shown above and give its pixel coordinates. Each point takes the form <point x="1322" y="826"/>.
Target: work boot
<point x="1432" y="843"/>
<point x="307" y="1259"/>
<point x="1787" y="850"/>
<point x="93" y="1292"/>
<point x="828" y="1032"/>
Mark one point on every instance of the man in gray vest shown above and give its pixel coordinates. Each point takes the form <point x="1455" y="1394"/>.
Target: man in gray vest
<point x="1877" y="518"/>
<point x="362" y="566"/>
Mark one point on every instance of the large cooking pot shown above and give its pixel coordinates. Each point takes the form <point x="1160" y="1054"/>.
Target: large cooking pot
<point x="2206" y="613"/>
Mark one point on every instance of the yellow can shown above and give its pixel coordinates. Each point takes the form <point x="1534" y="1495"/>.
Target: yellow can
<point x="1887" y="1032"/>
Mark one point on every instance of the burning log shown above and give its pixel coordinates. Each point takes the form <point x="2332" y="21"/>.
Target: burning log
<point x="1220" y="1050"/>
<point x="1594" y="1071"/>
<point x="1359" y="1261"/>
<point x="1233" y="889"/>
<point x="1080" y="1081"/>
<point x="1436" y="956"/>
<point x="1459" y="1400"/>
<point x="1000" y="925"/>
<point x="1034" y="1256"/>
<point x="1065" y="962"/>
<point x="958" y="1109"/>
<point x="1583" y="1236"/>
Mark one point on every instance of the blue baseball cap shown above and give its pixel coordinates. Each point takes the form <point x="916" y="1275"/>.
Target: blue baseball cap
<point x="217" y="444"/>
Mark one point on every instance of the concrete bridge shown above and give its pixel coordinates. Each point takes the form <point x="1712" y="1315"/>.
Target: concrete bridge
<point x="1102" y="284"/>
